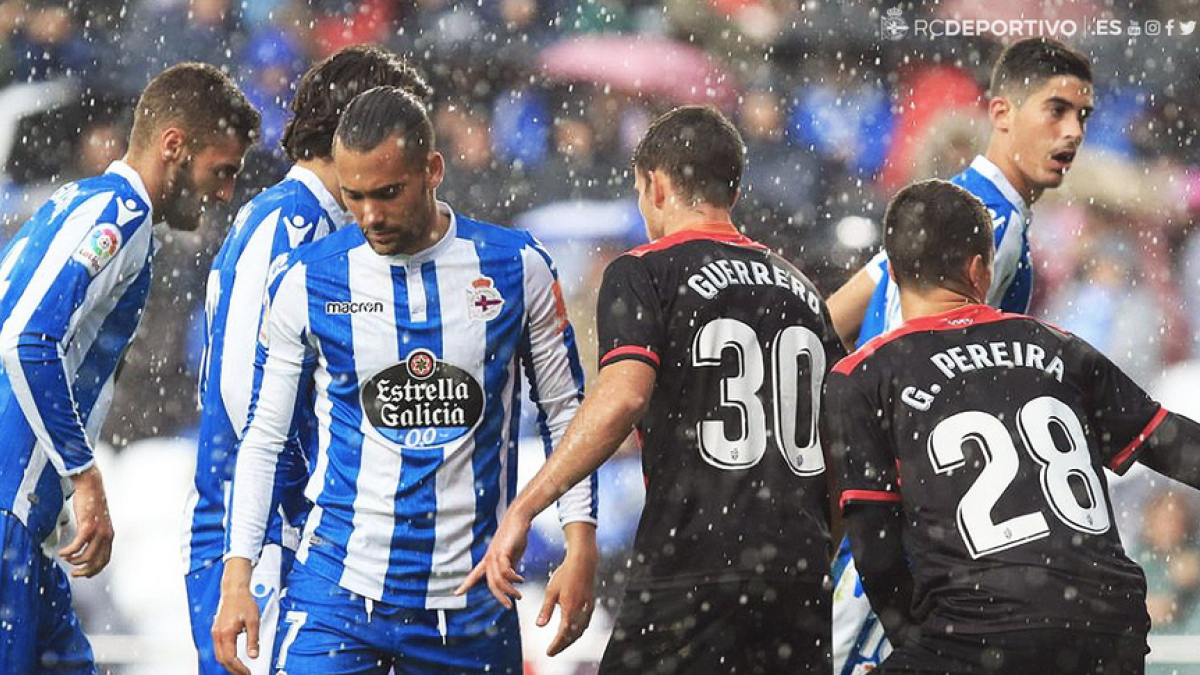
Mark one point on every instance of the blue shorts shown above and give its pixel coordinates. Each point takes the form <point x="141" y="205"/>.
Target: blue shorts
<point x="39" y="632"/>
<point x="204" y="594"/>
<point x="327" y="629"/>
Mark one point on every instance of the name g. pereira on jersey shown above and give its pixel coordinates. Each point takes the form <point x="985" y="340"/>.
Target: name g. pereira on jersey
<point x="417" y="397"/>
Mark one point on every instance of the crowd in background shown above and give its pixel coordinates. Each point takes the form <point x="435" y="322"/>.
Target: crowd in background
<point x="538" y="105"/>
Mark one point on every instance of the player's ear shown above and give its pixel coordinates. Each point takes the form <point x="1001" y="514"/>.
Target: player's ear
<point x="172" y="144"/>
<point x="979" y="273"/>
<point x="1000" y="112"/>
<point x="891" y="272"/>
<point x="435" y="169"/>
<point x="660" y="187"/>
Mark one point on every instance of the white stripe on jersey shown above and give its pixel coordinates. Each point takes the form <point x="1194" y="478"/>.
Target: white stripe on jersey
<point x="374" y="522"/>
<point x="258" y="454"/>
<point x="240" y="344"/>
<point x="456" y="479"/>
<point x="74" y="229"/>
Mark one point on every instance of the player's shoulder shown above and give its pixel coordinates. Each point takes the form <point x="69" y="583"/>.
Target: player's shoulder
<point x="127" y="206"/>
<point x="296" y="205"/>
<point x="328" y="247"/>
<point x="491" y="234"/>
<point x="984" y="180"/>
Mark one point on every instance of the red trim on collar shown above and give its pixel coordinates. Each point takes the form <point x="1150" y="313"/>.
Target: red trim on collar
<point x="955" y="319"/>
<point x="712" y="231"/>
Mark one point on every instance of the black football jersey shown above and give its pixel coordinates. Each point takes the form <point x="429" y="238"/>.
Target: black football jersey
<point x="731" y="453"/>
<point x="993" y="431"/>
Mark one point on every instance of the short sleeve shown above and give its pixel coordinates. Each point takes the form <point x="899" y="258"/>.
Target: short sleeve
<point x="1121" y="414"/>
<point x="858" y="444"/>
<point x="629" y="316"/>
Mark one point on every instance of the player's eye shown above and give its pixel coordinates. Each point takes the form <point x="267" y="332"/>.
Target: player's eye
<point x="390" y="192"/>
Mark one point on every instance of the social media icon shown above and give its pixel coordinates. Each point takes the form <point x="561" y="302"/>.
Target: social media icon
<point x="1134" y="29"/>
<point x="1186" y="27"/>
<point x="1153" y="27"/>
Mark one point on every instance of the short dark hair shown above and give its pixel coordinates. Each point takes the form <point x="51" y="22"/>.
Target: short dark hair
<point x="328" y="87"/>
<point x="382" y="113"/>
<point x="1026" y="64"/>
<point x="199" y="99"/>
<point x="699" y="149"/>
<point x="931" y="230"/>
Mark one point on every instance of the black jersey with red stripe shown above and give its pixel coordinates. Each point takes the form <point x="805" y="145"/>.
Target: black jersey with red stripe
<point x="735" y="473"/>
<point x="992" y="431"/>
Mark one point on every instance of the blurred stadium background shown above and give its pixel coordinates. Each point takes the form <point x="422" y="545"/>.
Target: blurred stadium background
<point x="538" y="104"/>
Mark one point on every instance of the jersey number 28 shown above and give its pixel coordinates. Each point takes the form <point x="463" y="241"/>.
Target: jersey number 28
<point x="798" y="363"/>
<point x="1053" y="436"/>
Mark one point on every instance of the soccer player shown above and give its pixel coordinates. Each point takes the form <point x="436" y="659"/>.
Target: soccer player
<point x="413" y="328"/>
<point x="716" y="349"/>
<point x="303" y="207"/>
<point x="1041" y="95"/>
<point x="73" y="283"/>
<point x="972" y="446"/>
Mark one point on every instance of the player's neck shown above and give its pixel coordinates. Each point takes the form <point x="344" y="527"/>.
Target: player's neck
<point x="915" y="304"/>
<point x="327" y="174"/>
<point x="692" y="218"/>
<point x="1003" y="159"/>
<point x="152" y="174"/>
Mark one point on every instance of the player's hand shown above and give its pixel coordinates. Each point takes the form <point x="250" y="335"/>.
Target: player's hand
<point x="91" y="549"/>
<point x="236" y="612"/>
<point x="572" y="588"/>
<point x="499" y="564"/>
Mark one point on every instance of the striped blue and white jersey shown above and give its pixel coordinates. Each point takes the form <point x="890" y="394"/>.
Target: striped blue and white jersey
<point x="1012" y="280"/>
<point x="73" y="283"/>
<point x="295" y="211"/>
<point x="417" y="396"/>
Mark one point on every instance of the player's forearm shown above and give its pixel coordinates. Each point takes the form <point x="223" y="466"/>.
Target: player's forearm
<point x="1174" y="450"/>
<point x="848" y="305"/>
<point x="38" y="377"/>
<point x="875" y="533"/>
<point x="604" y="421"/>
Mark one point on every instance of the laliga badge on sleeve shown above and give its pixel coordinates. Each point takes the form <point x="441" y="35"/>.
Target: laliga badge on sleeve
<point x="98" y="248"/>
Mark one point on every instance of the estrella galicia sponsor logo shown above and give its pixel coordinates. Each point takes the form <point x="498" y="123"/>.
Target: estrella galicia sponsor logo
<point x="422" y="402"/>
<point x="353" y="307"/>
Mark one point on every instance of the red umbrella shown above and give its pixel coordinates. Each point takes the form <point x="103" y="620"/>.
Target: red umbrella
<point x="650" y="66"/>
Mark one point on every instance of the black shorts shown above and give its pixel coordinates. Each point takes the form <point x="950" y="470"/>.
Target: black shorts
<point x="753" y="628"/>
<point x="1045" y="651"/>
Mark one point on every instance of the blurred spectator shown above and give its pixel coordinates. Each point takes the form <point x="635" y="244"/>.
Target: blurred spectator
<point x="1171" y="560"/>
<point x="49" y="44"/>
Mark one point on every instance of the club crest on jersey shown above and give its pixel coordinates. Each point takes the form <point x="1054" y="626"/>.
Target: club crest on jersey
<point x="422" y="402"/>
<point x="485" y="301"/>
<point x="98" y="247"/>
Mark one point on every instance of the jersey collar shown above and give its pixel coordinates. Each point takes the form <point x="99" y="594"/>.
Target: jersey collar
<point x="133" y="178"/>
<point x="709" y="231"/>
<point x="338" y="215"/>
<point x="959" y="317"/>
<point x="431" y="252"/>
<point x="992" y="173"/>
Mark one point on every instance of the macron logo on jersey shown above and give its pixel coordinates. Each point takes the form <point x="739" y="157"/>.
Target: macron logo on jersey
<point x="353" y="307"/>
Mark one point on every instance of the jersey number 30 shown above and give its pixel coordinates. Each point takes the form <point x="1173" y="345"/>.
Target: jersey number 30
<point x="1054" y="437"/>
<point x="798" y="362"/>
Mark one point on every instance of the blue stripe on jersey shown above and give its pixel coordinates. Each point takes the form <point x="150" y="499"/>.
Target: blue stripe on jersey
<point x="416" y="505"/>
<point x="336" y="498"/>
<point x="505" y="267"/>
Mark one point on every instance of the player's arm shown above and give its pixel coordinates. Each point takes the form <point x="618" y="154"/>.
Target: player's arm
<point x="848" y="304"/>
<point x="279" y="368"/>
<point x="616" y="402"/>
<point x="63" y="289"/>
<point x="1173" y="449"/>
<point x="871" y="503"/>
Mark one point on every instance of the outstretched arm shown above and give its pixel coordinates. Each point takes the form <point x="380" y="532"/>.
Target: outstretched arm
<point x="1173" y="449"/>
<point x="617" y="401"/>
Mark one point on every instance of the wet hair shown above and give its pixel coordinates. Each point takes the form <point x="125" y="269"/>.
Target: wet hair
<point x="328" y="87"/>
<point x="383" y="113"/>
<point x="931" y="230"/>
<point x="1025" y="65"/>
<point x="699" y="149"/>
<point x="198" y="99"/>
